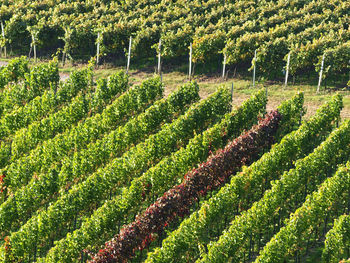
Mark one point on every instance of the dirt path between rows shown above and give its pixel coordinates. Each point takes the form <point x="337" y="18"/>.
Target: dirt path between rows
<point x="209" y="85"/>
<point x="3" y="63"/>
<point x="273" y="103"/>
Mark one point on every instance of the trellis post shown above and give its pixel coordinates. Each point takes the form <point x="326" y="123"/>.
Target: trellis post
<point x="287" y="71"/>
<point x="320" y="76"/>
<point x="3" y="35"/>
<point x="129" y="54"/>
<point x="159" y="56"/>
<point x="254" y="70"/>
<point x="224" y="67"/>
<point x="190" y="63"/>
<point x="231" y="95"/>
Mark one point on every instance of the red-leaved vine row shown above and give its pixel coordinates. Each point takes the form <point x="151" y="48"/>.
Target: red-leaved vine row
<point x="178" y="200"/>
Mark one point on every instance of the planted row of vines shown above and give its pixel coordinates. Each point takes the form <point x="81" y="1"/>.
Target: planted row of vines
<point x="305" y="29"/>
<point x="103" y="170"/>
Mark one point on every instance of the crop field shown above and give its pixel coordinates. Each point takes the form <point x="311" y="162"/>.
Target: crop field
<point x="226" y="138"/>
<point x="99" y="169"/>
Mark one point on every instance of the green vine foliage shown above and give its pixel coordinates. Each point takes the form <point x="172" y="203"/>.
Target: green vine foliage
<point x="133" y="101"/>
<point x="76" y="168"/>
<point x="298" y="227"/>
<point x="39" y="79"/>
<point x="157" y="180"/>
<point x="50" y="101"/>
<point x="337" y="241"/>
<point x="118" y="173"/>
<point x="193" y="234"/>
<point x="14" y="71"/>
<point x="306" y="29"/>
<point x="283" y="193"/>
<point x="29" y="137"/>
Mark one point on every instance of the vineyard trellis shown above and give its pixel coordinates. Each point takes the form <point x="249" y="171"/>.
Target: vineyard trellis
<point x="137" y="28"/>
<point x="104" y="170"/>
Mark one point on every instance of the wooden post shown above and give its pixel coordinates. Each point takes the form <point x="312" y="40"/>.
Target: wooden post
<point x="3" y="35"/>
<point x="321" y="72"/>
<point x="129" y="54"/>
<point x="231" y="95"/>
<point x="287" y="71"/>
<point x="254" y="70"/>
<point x="98" y="49"/>
<point x="30" y="52"/>
<point x="232" y="90"/>
<point x="190" y="63"/>
<point x="159" y="56"/>
<point x="224" y="67"/>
